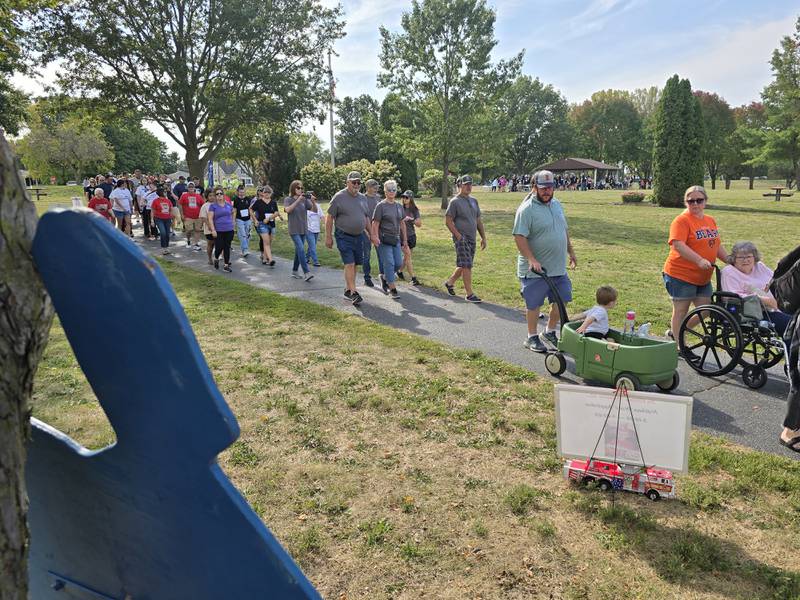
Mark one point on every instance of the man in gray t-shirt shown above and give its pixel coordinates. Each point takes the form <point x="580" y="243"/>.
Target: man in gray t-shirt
<point x="371" y="200"/>
<point x="347" y="211"/>
<point x="463" y="219"/>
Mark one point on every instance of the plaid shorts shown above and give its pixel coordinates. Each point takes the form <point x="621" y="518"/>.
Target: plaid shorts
<point x="465" y="252"/>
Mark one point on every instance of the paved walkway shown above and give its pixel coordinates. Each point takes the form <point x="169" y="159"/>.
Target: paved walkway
<point x="723" y="406"/>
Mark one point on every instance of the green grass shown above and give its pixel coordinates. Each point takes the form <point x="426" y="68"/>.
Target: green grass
<point x="450" y="488"/>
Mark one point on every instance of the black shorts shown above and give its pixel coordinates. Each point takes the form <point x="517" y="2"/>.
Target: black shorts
<point x="412" y="241"/>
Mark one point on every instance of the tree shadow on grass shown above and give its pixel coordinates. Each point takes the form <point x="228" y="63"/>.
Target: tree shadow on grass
<point x="687" y="558"/>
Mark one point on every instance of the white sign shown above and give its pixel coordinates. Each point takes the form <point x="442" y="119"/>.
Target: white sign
<point x="663" y="424"/>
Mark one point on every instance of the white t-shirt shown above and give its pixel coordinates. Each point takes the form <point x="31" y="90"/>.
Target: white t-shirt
<point x="600" y="323"/>
<point x="120" y="199"/>
<point x="204" y="217"/>
<point x="141" y="191"/>
<point x="315" y="219"/>
<point x="148" y="198"/>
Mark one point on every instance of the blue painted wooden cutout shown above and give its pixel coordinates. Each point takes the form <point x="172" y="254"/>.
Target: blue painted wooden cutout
<point x="151" y="516"/>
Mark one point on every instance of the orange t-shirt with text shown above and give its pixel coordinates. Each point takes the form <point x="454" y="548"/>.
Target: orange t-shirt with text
<point x="702" y="236"/>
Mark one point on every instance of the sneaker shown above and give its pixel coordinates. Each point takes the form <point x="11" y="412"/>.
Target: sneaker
<point x="165" y="251"/>
<point x="668" y="334"/>
<point x="400" y="276"/>
<point x="172" y="234"/>
<point x="308" y="277"/>
<point x="196" y="247"/>
<point x="534" y="343"/>
<point x="216" y="263"/>
<point x="473" y="298"/>
<point x="368" y="282"/>
<point x="245" y="255"/>
<point x="394" y="294"/>
<point x="357" y="299"/>
<point x="295" y="274"/>
<point x="414" y="281"/>
<point x="227" y="268"/>
<point x="384" y="285"/>
<point x="188" y="243"/>
<point x="549" y="337"/>
<point x="272" y="263"/>
<point x="316" y="264"/>
<point x="210" y="262"/>
<point x="450" y="289"/>
<point x="348" y="294"/>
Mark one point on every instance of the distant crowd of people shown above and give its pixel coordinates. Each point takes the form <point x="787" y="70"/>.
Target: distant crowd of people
<point x="567" y="182"/>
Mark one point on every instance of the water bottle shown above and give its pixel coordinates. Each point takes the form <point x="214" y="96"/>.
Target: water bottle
<point x="644" y="330"/>
<point x="630" y="321"/>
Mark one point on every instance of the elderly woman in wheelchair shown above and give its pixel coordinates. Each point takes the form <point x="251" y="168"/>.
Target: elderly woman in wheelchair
<point x="748" y="276"/>
<point x="741" y="326"/>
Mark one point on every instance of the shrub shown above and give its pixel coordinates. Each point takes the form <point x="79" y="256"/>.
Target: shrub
<point x="381" y="171"/>
<point x="432" y="182"/>
<point x="629" y="197"/>
<point x="321" y="178"/>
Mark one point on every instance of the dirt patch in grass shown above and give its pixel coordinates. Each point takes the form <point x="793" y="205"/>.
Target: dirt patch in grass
<point x="391" y="467"/>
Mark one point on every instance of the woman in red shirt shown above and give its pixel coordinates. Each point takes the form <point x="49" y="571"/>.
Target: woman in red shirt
<point x="162" y="215"/>
<point x="695" y="244"/>
<point x="101" y="205"/>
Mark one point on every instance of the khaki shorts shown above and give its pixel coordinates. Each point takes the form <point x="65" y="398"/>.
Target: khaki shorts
<point x="193" y="225"/>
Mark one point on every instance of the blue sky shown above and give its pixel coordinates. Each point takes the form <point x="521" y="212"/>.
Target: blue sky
<point x="581" y="46"/>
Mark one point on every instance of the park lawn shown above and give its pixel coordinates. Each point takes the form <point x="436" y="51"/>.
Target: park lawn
<point x="393" y="467"/>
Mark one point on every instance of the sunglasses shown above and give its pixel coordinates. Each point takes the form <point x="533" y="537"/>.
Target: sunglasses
<point x="219" y="194"/>
<point x="695" y="200"/>
<point x="355" y="181"/>
<point x="299" y="187"/>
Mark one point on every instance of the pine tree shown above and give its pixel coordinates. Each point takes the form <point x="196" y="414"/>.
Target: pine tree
<point x="678" y="148"/>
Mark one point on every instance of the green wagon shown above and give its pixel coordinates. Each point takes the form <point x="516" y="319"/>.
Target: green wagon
<point x="623" y="360"/>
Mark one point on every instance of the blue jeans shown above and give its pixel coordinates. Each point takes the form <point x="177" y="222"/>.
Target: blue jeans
<point x="311" y="254"/>
<point x="163" y="231"/>
<point x="243" y="230"/>
<point x="367" y="255"/>
<point x="299" y="240"/>
<point x="391" y="258"/>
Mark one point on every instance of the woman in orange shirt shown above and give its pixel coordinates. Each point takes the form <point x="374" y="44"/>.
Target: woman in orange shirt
<point x="695" y="245"/>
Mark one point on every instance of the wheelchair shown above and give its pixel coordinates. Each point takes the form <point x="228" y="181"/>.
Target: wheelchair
<point x="732" y="330"/>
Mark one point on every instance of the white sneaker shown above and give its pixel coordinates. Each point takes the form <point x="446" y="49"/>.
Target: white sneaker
<point x="296" y="275"/>
<point x="245" y="255"/>
<point x="308" y="277"/>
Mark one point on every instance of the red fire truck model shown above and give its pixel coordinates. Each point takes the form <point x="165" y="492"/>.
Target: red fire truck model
<point x="653" y="483"/>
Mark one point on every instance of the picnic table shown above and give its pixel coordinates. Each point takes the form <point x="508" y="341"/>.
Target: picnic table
<point x="38" y="191"/>
<point x="778" y="193"/>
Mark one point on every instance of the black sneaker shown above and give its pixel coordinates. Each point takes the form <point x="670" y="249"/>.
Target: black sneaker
<point x="394" y="294"/>
<point x="348" y="294"/>
<point x="400" y="276"/>
<point x="216" y="263"/>
<point x="272" y="263"/>
<point x="550" y="337"/>
<point x="384" y="285"/>
<point x="227" y="268"/>
<point x="357" y="299"/>
<point x="534" y="343"/>
<point x="368" y="282"/>
<point x="473" y="298"/>
<point x="450" y="289"/>
<point x="414" y="281"/>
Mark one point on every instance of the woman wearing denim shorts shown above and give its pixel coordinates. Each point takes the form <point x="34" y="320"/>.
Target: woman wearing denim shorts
<point x="695" y="245"/>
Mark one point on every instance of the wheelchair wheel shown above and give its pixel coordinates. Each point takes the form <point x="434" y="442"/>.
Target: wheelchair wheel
<point x="763" y="351"/>
<point x="754" y="376"/>
<point x="710" y="340"/>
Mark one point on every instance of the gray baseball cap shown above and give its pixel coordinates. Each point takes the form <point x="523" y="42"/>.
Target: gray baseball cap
<point x="544" y="179"/>
<point x="370" y="183"/>
<point x="465" y="179"/>
<point x="408" y="194"/>
<point x="354" y="176"/>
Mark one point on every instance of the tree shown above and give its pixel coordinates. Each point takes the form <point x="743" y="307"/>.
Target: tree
<point x="441" y="62"/>
<point x="279" y="163"/>
<point x="69" y="150"/>
<point x="646" y="102"/>
<point x="200" y="68"/>
<point x="743" y="153"/>
<point x="396" y="113"/>
<point x="24" y="326"/>
<point x="678" y="147"/>
<point x="609" y="127"/>
<point x="358" y="129"/>
<point x="170" y="161"/>
<point x="782" y="102"/>
<point x="134" y="147"/>
<point x="536" y="115"/>
<point x="307" y="147"/>
<point x="245" y="145"/>
<point x="718" y="126"/>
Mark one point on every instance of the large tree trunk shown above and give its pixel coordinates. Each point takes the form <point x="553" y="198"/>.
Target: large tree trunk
<point x="751" y="178"/>
<point x="25" y="316"/>
<point x="197" y="167"/>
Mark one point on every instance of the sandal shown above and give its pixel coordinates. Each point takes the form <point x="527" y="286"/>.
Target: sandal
<point x="792" y="444"/>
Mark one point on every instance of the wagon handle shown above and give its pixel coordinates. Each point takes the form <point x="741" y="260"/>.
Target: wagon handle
<point x="562" y="309"/>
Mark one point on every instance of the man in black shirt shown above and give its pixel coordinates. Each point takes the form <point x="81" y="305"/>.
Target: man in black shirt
<point x="241" y="207"/>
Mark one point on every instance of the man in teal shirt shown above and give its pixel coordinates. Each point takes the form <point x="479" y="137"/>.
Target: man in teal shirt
<point x="540" y="232"/>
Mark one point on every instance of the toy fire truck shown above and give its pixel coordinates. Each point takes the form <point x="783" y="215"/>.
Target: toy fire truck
<point x="653" y="483"/>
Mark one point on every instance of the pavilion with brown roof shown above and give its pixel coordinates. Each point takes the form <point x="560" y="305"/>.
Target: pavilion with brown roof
<point x="579" y="165"/>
